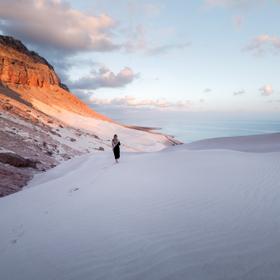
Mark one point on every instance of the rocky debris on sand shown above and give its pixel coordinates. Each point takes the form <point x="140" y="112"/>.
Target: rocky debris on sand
<point x="12" y="179"/>
<point x="17" y="161"/>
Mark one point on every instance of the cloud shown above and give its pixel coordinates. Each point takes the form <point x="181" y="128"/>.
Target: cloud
<point x="55" y="24"/>
<point x="166" y="48"/>
<point x="136" y="39"/>
<point x="104" y="78"/>
<point x="135" y="7"/>
<point x="266" y="90"/>
<point x="207" y="90"/>
<point x="239" y="8"/>
<point x="236" y="4"/>
<point x="264" y="43"/>
<point x="64" y="64"/>
<point x="137" y="42"/>
<point x="131" y="101"/>
<point x="240" y="92"/>
<point x="84" y="95"/>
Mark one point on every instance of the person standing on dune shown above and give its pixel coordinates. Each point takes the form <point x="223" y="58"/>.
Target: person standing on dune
<point x="116" y="147"/>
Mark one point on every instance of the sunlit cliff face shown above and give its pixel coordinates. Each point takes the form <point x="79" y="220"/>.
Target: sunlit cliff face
<point x="33" y="78"/>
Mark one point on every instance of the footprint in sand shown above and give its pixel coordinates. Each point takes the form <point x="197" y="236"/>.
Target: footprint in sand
<point x="19" y="232"/>
<point x="74" y="190"/>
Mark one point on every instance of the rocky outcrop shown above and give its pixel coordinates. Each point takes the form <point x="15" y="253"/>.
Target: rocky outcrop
<point x="17" y="45"/>
<point x="19" y="66"/>
<point x="12" y="179"/>
<point x="17" y="161"/>
<point x="14" y="71"/>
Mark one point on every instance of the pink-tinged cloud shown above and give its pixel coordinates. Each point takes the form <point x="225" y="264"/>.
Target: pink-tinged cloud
<point x="71" y="30"/>
<point x="266" y="90"/>
<point x="55" y="24"/>
<point x="131" y="101"/>
<point x="104" y="78"/>
<point x="264" y="43"/>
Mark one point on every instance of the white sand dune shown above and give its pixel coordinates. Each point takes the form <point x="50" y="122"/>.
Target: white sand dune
<point x="263" y="143"/>
<point x="179" y="214"/>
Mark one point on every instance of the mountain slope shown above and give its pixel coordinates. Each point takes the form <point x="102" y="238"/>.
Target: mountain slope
<point x="32" y="78"/>
<point x="41" y="121"/>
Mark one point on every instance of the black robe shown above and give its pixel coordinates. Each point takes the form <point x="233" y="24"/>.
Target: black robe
<point x="116" y="150"/>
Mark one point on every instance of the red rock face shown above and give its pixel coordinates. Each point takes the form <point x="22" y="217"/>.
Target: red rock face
<point x="23" y="68"/>
<point x="33" y="78"/>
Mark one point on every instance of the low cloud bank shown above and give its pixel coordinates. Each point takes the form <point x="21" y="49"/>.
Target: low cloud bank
<point x="131" y="101"/>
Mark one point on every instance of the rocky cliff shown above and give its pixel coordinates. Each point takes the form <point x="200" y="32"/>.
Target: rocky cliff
<point x="33" y="79"/>
<point x="19" y="66"/>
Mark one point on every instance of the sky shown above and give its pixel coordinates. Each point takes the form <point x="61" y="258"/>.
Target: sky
<point x="196" y="55"/>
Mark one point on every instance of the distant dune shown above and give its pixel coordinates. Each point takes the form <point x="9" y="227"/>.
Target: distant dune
<point x="256" y="143"/>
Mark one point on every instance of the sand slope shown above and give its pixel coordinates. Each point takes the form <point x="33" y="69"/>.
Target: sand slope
<point x="178" y="214"/>
<point x="263" y="143"/>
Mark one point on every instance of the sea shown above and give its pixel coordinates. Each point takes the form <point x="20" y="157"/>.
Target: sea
<point x="192" y="126"/>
